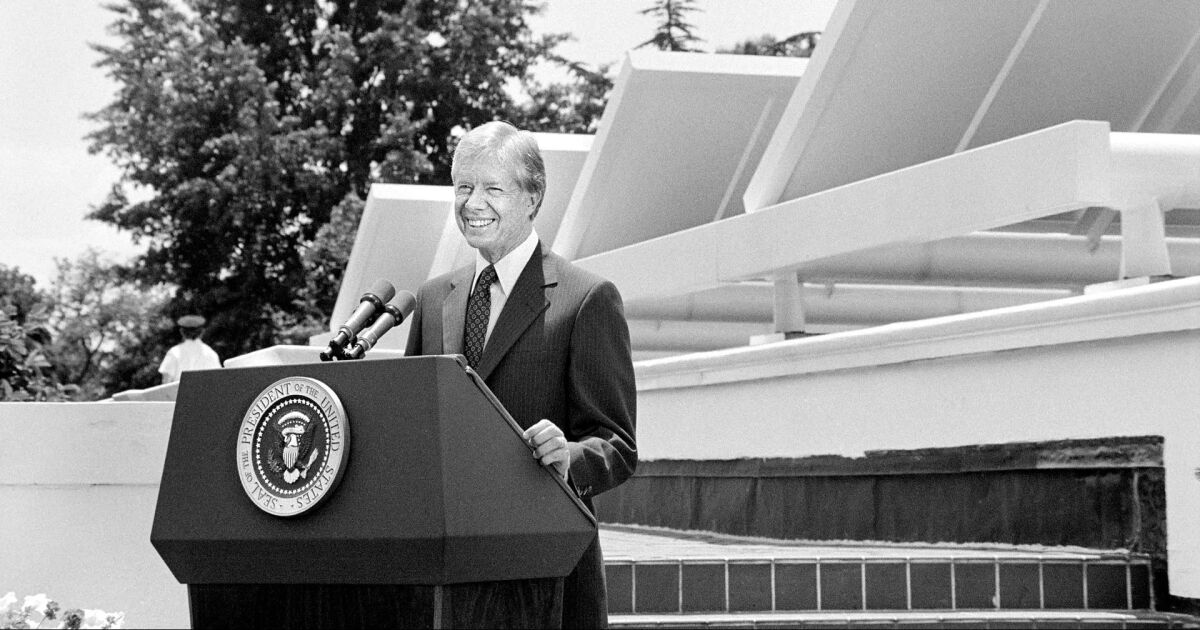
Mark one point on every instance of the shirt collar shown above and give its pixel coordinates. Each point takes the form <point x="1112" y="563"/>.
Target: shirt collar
<point x="508" y="268"/>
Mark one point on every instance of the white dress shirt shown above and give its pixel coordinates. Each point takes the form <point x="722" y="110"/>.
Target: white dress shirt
<point x="192" y="354"/>
<point x="508" y="270"/>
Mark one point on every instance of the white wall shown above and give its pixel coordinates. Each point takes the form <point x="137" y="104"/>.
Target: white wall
<point x="1124" y="363"/>
<point x="78" y="485"/>
<point x="1148" y="385"/>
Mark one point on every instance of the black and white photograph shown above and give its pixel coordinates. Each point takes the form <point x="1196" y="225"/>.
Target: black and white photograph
<point x="628" y="314"/>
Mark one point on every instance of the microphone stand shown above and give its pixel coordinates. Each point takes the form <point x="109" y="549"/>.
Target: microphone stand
<point x="334" y="352"/>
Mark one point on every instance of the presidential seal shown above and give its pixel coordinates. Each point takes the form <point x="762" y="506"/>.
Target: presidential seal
<point x="292" y="446"/>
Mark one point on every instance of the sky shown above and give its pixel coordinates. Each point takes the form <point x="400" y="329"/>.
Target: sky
<point x="49" y="182"/>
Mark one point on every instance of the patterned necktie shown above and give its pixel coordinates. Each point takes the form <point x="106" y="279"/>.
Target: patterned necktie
<point x="479" y="308"/>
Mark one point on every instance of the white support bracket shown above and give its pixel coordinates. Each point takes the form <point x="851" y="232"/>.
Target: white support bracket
<point x="789" y="303"/>
<point x="1144" y="240"/>
<point x="1144" y="255"/>
<point x="788" y="309"/>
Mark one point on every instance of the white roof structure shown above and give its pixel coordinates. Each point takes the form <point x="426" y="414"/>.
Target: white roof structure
<point x="894" y="84"/>
<point x="1067" y="167"/>
<point x="915" y="155"/>
<point x="677" y="145"/>
<point x="924" y="162"/>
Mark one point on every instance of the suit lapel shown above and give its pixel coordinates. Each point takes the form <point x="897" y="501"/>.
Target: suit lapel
<point x="454" y="310"/>
<point x="529" y="298"/>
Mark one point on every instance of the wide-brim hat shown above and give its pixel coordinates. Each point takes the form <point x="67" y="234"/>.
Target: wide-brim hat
<point x="190" y="321"/>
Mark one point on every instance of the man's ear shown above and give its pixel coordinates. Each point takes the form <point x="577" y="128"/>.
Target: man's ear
<point x="533" y="205"/>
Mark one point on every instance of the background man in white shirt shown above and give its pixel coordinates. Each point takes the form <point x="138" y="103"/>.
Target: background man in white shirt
<point x="189" y="354"/>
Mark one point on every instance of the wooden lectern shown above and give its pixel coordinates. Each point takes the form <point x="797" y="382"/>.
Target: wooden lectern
<point x="442" y="518"/>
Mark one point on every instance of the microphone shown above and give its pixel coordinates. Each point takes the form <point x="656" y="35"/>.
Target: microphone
<point x="393" y="313"/>
<point x="381" y="291"/>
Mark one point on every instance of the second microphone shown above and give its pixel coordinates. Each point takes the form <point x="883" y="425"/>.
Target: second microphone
<point x="393" y="314"/>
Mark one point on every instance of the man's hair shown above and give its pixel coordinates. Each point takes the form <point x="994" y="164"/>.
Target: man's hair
<point x="513" y="147"/>
<point x="191" y="333"/>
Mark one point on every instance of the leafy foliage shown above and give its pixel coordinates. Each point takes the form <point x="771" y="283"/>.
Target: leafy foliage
<point x="798" y="45"/>
<point x="25" y="370"/>
<point x="326" y="256"/>
<point x="68" y="343"/>
<point x="135" y="366"/>
<point x="98" y="315"/>
<point x="674" y="32"/>
<point x="19" y="291"/>
<point x="574" y="107"/>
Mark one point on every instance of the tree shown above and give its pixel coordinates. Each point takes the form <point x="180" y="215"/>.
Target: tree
<point x="574" y="107"/>
<point x="247" y="123"/>
<point x="20" y="292"/>
<point x="325" y="261"/>
<point x="98" y="314"/>
<point x="798" y="45"/>
<point x="405" y="74"/>
<point x="674" y="32"/>
<point x="25" y="370"/>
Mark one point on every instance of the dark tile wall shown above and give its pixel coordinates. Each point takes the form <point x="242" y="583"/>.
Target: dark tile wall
<point x="1106" y="586"/>
<point x="656" y="588"/>
<point x="1020" y="585"/>
<point x="1062" y="585"/>
<point x="749" y="586"/>
<point x="796" y="586"/>
<point x="887" y="586"/>
<point x="838" y="584"/>
<point x="1139" y="583"/>
<point x="619" y="582"/>
<point x="841" y="586"/>
<point x="975" y="585"/>
<point x="930" y="585"/>
<point x="704" y="587"/>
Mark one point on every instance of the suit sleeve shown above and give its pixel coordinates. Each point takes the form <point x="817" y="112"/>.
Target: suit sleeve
<point x="602" y="394"/>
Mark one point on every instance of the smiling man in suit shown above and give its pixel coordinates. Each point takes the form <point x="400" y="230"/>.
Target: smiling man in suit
<point x="549" y="338"/>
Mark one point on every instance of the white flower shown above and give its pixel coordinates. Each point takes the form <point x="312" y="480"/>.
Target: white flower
<point x="435" y="40"/>
<point x="36" y="603"/>
<point x="96" y="618"/>
<point x="11" y="616"/>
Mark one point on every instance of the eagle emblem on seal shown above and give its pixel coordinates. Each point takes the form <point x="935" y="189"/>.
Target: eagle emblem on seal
<point x="293" y="450"/>
<point x="292" y="446"/>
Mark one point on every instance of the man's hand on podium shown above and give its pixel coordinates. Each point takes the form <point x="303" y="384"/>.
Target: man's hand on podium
<point x="549" y="446"/>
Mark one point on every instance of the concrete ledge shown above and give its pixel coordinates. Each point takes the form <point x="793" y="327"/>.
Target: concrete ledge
<point x="159" y="393"/>
<point x="101" y="443"/>
<point x="1162" y="307"/>
<point x="909" y="619"/>
<point x="1107" y="453"/>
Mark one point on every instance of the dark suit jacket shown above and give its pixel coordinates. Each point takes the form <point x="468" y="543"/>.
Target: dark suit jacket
<point x="560" y="350"/>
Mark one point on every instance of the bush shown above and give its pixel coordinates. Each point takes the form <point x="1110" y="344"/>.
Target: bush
<point x="25" y="372"/>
